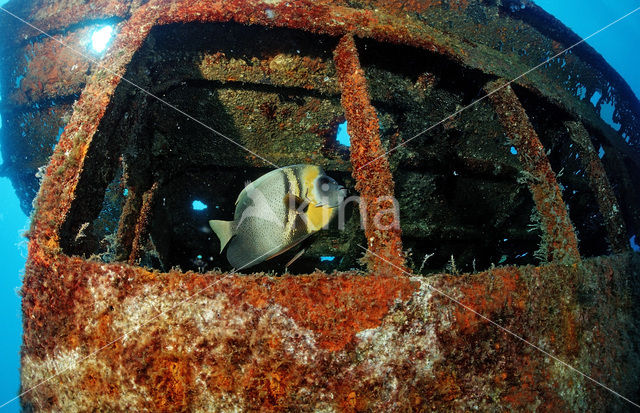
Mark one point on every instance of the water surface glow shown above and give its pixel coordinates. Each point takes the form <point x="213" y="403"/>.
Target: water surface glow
<point x="101" y="37"/>
<point x="343" y="136"/>
<point x="199" y="205"/>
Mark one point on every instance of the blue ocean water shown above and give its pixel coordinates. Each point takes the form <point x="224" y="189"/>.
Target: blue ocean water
<point x="617" y="44"/>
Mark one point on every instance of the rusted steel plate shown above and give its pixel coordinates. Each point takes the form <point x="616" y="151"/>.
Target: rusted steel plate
<point x="345" y="342"/>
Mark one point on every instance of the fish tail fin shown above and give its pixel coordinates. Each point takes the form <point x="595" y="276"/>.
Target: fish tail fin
<point x="224" y="231"/>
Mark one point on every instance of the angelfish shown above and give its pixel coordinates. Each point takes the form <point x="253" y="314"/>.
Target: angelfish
<point x="276" y="212"/>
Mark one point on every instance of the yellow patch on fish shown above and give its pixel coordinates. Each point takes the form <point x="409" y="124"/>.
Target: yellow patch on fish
<point x="319" y="216"/>
<point x="316" y="216"/>
<point x="308" y="178"/>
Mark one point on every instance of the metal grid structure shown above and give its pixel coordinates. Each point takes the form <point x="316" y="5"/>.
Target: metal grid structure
<point x="343" y="341"/>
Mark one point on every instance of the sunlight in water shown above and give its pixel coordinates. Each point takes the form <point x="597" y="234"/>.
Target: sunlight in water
<point x="100" y="38"/>
<point x="198" y="205"/>
<point x="343" y="137"/>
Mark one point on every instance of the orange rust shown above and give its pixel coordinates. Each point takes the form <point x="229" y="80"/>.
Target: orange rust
<point x="559" y="234"/>
<point x="370" y="165"/>
<point x="479" y="296"/>
<point x="62" y="70"/>
<point x="52" y="16"/>
<point x="313" y="16"/>
<point x="94" y="382"/>
<point x="459" y="5"/>
<point x="519" y="397"/>
<point x="128" y="218"/>
<point x="352" y="399"/>
<point x="322" y="304"/>
<point x="447" y="386"/>
<point x="335" y="308"/>
<point x="572" y="344"/>
<point x="170" y="381"/>
<point x="403" y="6"/>
<point x="220" y="380"/>
<point x="104" y="333"/>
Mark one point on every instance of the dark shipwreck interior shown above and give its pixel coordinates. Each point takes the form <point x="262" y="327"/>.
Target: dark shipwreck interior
<point x="164" y="170"/>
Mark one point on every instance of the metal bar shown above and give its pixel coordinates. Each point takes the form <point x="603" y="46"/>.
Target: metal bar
<point x="607" y="202"/>
<point x="559" y="238"/>
<point x="374" y="182"/>
<point x="127" y="224"/>
<point x="142" y="226"/>
<point x="625" y="179"/>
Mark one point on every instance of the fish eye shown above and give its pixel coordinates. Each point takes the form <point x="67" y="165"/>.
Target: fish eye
<point x="324" y="183"/>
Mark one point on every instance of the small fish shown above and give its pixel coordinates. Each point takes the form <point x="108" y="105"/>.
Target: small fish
<point x="276" y="212"/>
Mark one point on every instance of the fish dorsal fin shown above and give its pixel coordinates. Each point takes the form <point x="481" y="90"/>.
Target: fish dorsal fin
<point x="224" y="231"/>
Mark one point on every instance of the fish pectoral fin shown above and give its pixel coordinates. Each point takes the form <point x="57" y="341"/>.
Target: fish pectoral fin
<point x="295" y="257"/>
<point x="224" y="231"/>
<point x="294" y="202"/>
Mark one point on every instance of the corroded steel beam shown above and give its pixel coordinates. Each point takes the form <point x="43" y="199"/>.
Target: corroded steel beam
<point x="51" y="70"/>
<point x="370" y="165"/>
<point x="601" y="187"/>
<point x="627" y="182"/>
<point x="559" y="237"/>
<point x="142" y="226"/>
<point x="56" y="195"/>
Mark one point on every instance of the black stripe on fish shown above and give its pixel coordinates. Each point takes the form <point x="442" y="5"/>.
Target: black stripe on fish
<point x="299" y="180"/>
<point x="287" y="189"/>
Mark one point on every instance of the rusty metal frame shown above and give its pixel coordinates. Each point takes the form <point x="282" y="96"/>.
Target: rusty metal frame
<point x="559" y="238"/>
<point x="335" y="20"/>
<point x="601" y="187"/>
<point x="336" y="308"/>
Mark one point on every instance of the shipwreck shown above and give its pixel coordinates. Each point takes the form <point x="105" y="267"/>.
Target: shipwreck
<point x="510" y="282"/>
